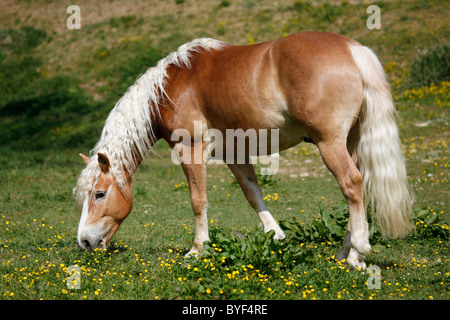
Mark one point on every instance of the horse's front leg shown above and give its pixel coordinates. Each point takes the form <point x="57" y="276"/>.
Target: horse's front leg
<point x="196" y="176"/>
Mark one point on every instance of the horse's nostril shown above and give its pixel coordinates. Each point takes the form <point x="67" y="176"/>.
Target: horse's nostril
<point x="86" y="244"/>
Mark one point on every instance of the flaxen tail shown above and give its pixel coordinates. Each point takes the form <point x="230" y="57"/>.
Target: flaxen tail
<point x="379" y="151"/>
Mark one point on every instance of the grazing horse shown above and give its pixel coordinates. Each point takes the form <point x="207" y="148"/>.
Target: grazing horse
<point x="311" y="86"/>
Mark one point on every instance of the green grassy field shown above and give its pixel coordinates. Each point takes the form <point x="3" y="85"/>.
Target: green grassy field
<point x="58" y="85"/>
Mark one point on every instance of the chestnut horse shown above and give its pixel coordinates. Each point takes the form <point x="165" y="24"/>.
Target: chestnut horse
<point x="310" y="86"/>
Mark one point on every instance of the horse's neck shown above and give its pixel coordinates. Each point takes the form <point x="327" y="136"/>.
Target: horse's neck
<point x="129" y="133"/>
<point x="134" y="124"/>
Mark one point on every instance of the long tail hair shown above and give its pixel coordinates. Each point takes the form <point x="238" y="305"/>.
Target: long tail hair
<point x="379" y="151"/>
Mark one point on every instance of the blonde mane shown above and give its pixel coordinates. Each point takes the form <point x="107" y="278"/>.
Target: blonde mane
<point x="128" y="132"/>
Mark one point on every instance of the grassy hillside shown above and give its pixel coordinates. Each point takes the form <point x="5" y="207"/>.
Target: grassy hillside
<point x="58" y="85"/>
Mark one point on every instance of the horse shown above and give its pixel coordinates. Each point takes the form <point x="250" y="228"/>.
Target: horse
<point x="319" y="87"/>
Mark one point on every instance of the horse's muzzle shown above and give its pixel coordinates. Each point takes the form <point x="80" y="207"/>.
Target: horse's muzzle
<point x="90" y="243"/>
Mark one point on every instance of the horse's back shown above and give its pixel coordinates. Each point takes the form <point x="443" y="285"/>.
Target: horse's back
<point x="296" y="83"/>
<point x="321" y="82"/>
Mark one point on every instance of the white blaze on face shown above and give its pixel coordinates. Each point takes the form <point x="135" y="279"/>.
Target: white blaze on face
<point x="84" y="216"/>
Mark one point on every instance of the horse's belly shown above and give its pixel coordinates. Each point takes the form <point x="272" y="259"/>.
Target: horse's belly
<point x="290" y="132"/>
<point x="277" y="130"/>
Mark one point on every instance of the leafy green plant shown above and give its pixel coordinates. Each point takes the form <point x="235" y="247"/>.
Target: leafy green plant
<point x="429" y="224"/>
<point x="230" y="248"/>
<point x="327" y="227"/>
<point x="265" y="179"/>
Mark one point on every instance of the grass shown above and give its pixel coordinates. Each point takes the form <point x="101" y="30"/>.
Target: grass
<point x="145" y="260"/>
<point x="72" y="78"/>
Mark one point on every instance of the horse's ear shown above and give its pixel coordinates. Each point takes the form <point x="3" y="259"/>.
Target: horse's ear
<point x="103" y="161"/>
<point x="86" y="159"/>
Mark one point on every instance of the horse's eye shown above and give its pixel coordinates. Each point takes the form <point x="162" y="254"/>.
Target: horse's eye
<point x="100" y="195"/>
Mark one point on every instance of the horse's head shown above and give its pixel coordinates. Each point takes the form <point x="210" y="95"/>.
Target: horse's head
<point x="104" y="206"/>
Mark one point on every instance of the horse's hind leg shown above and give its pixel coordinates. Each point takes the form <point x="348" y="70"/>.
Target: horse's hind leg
<point x="245" y="175"/>
<point x="339" y="162"/>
